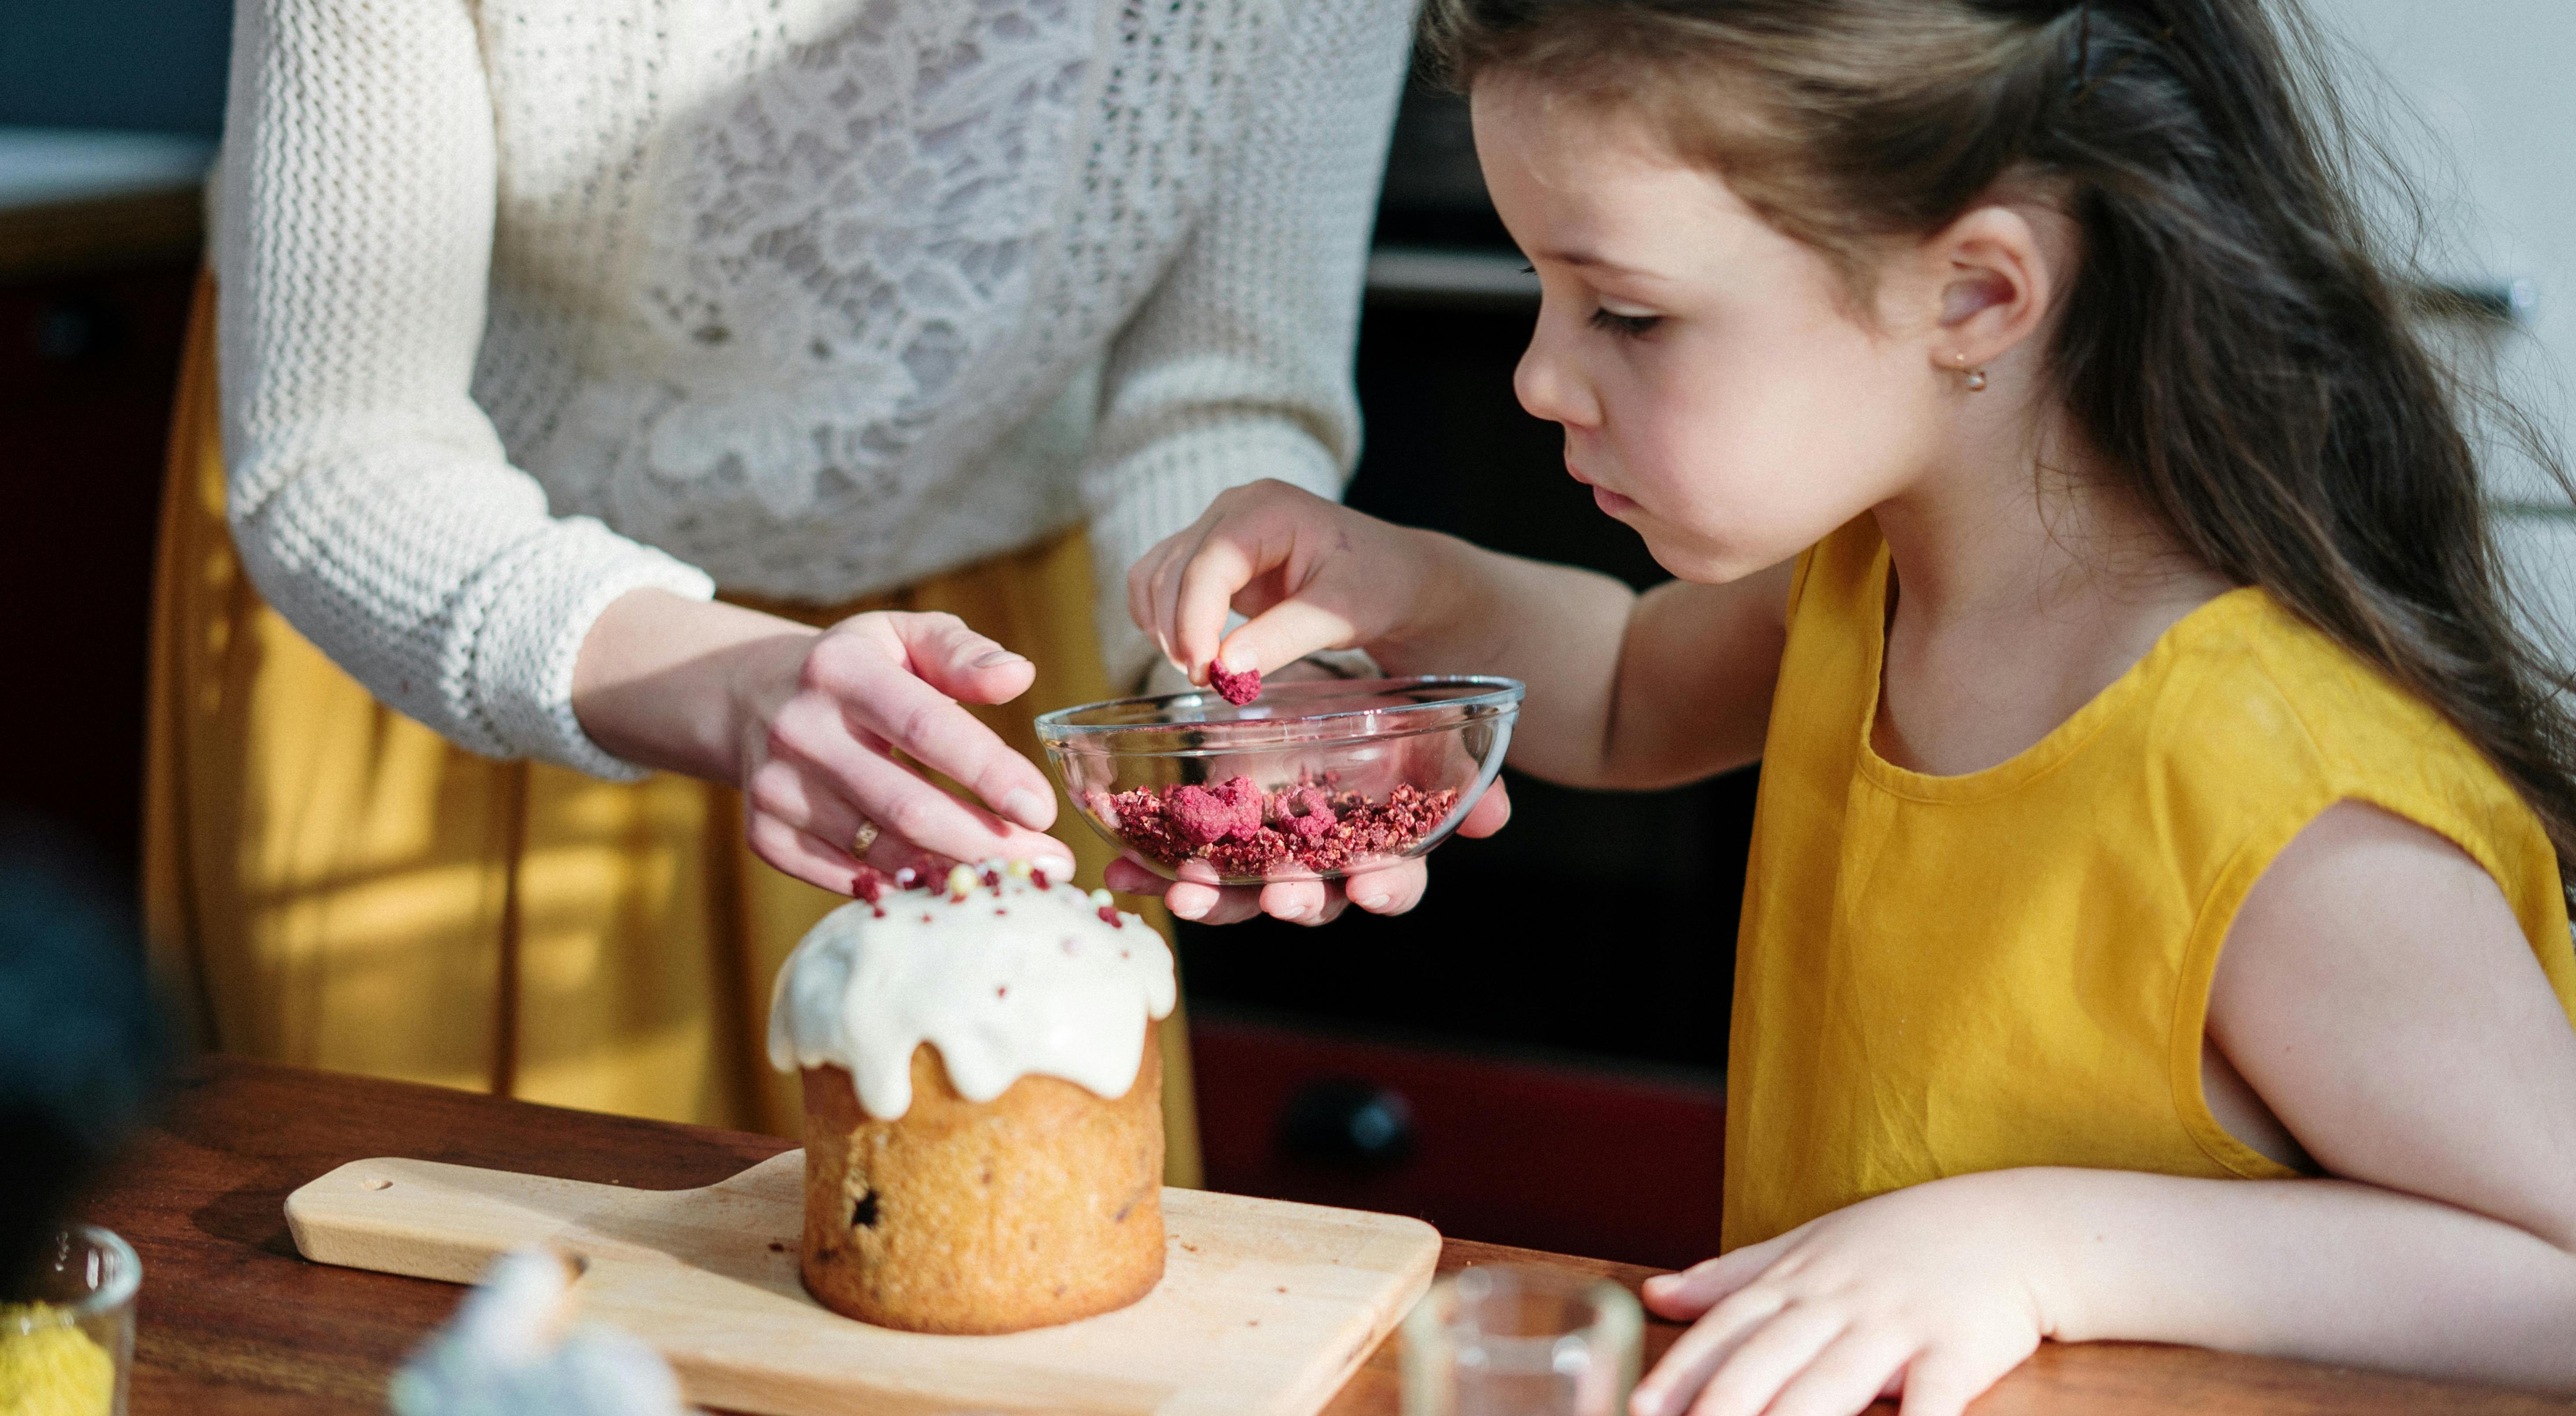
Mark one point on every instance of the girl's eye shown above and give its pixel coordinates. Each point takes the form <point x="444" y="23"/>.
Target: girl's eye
<point x="1625" y="326"/>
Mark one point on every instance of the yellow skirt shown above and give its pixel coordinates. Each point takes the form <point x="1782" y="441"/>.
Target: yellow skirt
<point x="333" y="885"/>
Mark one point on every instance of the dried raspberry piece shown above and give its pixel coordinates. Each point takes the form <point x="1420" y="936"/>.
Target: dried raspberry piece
<point x="868" y="883"/>
<point x="1243" y="831"/>
<point x="1234" y="688"/>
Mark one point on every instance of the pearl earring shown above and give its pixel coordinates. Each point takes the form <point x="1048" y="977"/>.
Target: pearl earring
<point x="1976" y="378"/>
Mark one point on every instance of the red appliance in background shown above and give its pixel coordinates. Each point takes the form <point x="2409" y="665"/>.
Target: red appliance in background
<point x="1584" y="1159"/>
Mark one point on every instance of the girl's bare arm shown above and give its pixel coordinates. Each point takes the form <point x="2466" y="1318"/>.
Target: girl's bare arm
<point x="1625" y="690"/>
<point x="2380" y="996"/>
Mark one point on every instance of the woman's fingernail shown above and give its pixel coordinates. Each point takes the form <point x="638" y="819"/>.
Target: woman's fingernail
<point x="1054" y="867"/>
<point x="1025" y="807"/>
<point x="995" y="658"/>
<point x="1371" y="902"/>
<point x="1186" y="910"/>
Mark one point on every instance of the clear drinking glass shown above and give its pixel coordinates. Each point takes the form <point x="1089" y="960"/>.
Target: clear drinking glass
<point x="82" y="1299"/>
<point x="1516" y="1340"/>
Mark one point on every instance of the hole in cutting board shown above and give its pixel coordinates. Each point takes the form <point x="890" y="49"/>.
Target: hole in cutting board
<point x="376" y="1182"/>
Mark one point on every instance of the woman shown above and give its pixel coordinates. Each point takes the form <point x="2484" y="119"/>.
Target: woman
<point x="543" y="326"/>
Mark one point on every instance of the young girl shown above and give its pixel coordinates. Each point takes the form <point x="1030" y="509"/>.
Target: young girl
<point x="2156" y="796"/>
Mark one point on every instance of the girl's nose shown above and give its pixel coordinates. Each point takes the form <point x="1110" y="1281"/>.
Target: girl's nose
<point x="1548" y="383"/>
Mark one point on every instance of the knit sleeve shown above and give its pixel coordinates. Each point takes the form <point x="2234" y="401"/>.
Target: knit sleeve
<point x="371" y="499"/>
<point x="1239" y="365"/>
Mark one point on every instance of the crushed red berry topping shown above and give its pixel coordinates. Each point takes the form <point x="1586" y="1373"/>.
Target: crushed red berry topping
<point x="1234" y="688"/>
<point x="1244" y="831"/>
<point x="1109" y="915"/>
<point x="868" y="883"/>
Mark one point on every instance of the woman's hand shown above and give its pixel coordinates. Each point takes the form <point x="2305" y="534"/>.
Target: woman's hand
<point x="807" y="723"/>
<point x="1931" y="1291"/>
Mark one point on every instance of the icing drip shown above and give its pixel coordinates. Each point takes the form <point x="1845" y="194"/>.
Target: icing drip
<point x="1012" y="975"/>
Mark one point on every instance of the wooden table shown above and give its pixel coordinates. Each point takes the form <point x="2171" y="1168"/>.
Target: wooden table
<point x="233" y="1321"/>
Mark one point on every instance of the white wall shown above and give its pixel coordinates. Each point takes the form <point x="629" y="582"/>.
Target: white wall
<point x="2491" y="89"/>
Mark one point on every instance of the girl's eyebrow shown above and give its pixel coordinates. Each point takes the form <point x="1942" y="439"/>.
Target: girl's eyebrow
<point x="1587" y="260"/>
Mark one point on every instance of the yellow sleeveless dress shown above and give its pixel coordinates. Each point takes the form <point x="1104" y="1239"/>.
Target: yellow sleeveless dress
<point x="332" y="885"/>
<point x="1942" y="975"/>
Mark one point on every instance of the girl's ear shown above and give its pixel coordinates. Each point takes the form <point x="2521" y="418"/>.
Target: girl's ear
<point x="1995" y="271"/>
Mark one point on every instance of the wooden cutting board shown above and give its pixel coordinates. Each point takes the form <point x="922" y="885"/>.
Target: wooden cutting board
<point x="1264" y="1309"/>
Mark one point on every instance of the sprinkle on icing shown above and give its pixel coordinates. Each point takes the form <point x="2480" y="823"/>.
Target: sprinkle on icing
<point x="1001" y="995"/>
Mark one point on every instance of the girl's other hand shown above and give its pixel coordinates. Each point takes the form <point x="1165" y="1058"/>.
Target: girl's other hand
<point x="1931" y="1293"/>
<point x="1310" y="574"/>
<point x="1390" y="891"/>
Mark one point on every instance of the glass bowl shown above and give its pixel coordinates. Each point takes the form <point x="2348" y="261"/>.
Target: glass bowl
<point x="1313" y="780"/>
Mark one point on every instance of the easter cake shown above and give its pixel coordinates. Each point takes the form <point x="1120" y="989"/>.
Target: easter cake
<point x="983" y="1121"/>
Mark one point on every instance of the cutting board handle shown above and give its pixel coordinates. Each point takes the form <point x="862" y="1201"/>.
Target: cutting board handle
<point x="425" y="1219"/>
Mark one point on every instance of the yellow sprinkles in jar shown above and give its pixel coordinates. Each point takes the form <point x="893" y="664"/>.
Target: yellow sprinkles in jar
<point x="48" y="1367"/>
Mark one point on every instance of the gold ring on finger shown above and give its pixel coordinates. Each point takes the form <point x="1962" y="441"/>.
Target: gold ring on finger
<point x="866" y="837"/>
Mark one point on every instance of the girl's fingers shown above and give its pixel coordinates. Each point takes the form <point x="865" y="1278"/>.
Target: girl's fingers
<point x="1296" y="901"/>
<point x="1212" y="904"/>
<point x="1844" y="1378"/>
<point x="1204" y="594"/>
<point x="1748" y="1377"/>
<point x="1694" y="1290"/>
<point x="1941" y="1382"/>
<point x="1127" y="877"/>
<point x="1686" y="1365"/>
<point x="1491" y="813"/>
<point x="1283" y="634"/>
<point x="1392" y="890"/>
<point x="890" y="701"/>
<point x="1141" y="578"/>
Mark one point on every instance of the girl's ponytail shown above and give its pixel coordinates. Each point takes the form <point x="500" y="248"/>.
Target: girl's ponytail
<point x="2232" y="340"/>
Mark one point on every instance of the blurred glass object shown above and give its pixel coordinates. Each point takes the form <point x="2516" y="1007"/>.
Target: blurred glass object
<point x="69" y="1351"/>
<point x="1511" y="1340"/>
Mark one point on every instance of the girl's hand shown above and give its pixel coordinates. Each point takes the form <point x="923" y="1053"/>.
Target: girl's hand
<point x="808" y="724"/>
<point x="1310" y="574"/>
<point x="1931" y="1292"/>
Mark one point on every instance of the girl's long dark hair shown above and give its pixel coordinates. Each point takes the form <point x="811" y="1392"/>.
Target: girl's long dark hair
<point x="2232" y="342"/>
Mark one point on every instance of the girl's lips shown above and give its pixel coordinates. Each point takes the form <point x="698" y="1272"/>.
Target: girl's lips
<point x="1611" y="502"/>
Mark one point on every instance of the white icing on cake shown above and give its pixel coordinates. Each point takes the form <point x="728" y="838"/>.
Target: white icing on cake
<point x="1006" y="980"/>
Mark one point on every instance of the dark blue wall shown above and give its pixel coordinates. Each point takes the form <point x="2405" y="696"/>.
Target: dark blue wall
<point x="155" y="64"/>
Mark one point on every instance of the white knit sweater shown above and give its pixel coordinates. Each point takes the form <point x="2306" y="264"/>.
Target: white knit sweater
<point x="529" y="303"/>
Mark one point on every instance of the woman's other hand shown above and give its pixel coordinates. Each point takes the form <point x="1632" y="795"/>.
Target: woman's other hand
<point x="808" y="724"/>
<point x="1929" y="1293"/>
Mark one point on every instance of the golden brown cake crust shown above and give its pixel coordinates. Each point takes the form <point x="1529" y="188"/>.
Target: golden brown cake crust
<point x="1040" y="1206"/>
